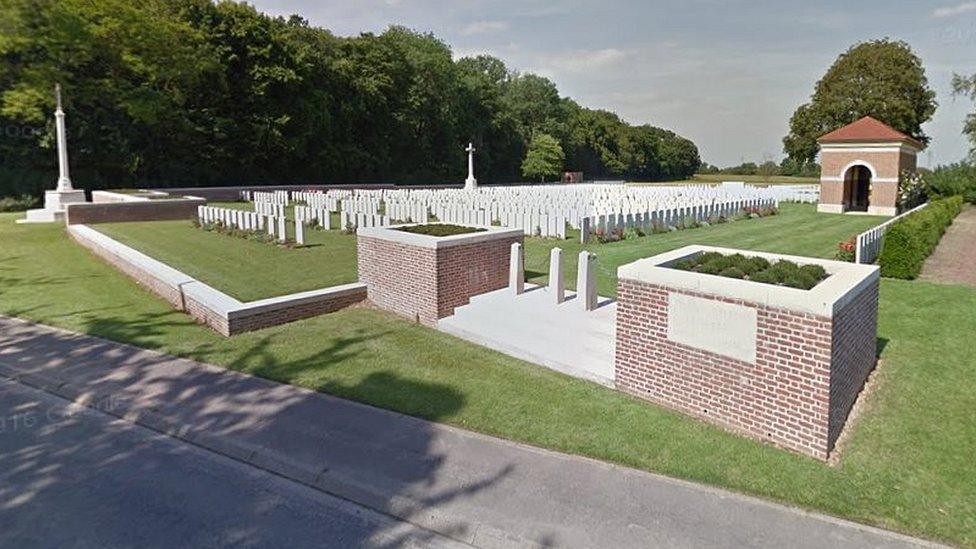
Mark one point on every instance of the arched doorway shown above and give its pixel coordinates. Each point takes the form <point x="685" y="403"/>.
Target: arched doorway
<point x="857" y="188"/>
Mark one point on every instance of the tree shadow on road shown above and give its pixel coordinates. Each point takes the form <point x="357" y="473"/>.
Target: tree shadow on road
<point x="387" y="461"/>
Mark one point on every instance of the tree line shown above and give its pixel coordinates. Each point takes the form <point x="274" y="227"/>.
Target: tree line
<point x="195" y="92"/>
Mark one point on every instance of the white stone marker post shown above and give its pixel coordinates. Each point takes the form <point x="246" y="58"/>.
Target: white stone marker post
<point x="282" y="234"/>
<point x="557" y="286"/>
<point x="516" y="270"/>
<point x="470" y="183"/>
<point x="586" y="281"/>
<point x="300" y="231"/>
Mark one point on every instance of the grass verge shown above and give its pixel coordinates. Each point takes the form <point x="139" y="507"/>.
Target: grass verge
<point x="907" y="464"/>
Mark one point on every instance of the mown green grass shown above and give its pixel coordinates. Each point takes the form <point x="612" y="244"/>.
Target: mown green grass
<point x="245" y="269"/>
<point x="907" y="466"/>
<point x="797" y="230"/>
<point x="251" y="270"/>
<point x="751" y="179"/>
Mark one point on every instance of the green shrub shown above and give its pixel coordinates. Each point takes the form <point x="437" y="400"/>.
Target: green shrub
<point x="754" y="265"/>
<point x="733" y="272"/>
<point x="440" y="229"/>
<point x="912" y="239"/>
<point x="755" y="269"/>
<point x="815" y="272"/>
<point x="953" y="180"/>
<point x="766" y="277"/>
<point x="18" y="204"/>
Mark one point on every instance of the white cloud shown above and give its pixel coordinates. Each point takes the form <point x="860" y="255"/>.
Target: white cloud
<point x="484" y="27"/>
<point x="577" y="61"/>
<point x="950" y="11"/>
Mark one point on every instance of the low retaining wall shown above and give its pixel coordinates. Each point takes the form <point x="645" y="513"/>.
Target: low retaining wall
<point x="136" y="210"/>
<point x="424" y="277"/>
<point x="776" y="363"/>
<point x="104" y="197"/>
<point x="211" y="307"/>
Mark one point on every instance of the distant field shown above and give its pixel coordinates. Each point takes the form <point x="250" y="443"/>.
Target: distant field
<point x="752" y="179"/>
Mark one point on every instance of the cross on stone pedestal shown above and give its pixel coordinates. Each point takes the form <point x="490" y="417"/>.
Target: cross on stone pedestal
<point x="56" y="201"/>
<point x="470" y="183"/>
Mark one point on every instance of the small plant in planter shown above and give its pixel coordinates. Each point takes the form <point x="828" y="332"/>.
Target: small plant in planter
<point x="441" y="229"/>
<point x="755" y="269"/>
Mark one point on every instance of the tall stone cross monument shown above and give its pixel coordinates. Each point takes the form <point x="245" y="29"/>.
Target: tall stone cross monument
<point x="470" y="183"/>
<point x="64" y="194"/>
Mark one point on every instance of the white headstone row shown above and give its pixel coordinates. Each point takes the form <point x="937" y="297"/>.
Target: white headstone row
<point x="270" y="208"/>
<point x="354" y="221"/>
<point x="237" y="219"/>
<point x="669" y="217"/>
<point x="314" y="215"/>
<point x="545" y="210"/>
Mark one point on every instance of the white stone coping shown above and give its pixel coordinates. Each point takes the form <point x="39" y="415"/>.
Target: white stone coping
<point x="436" y="242"/>
<point x="292" y="300"/>
<point x="143" y="196"/>
<point x="161" y="271"/>
<point x="213" y="299"/>
<point x="844" y="283"/>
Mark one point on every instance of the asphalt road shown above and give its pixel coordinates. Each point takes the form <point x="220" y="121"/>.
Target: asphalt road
<point x="76" y="477"/>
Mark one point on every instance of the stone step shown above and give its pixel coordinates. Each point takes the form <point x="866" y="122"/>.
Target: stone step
<point x="530" y="327"/>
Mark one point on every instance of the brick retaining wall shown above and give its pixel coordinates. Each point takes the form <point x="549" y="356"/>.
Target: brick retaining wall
<point x="149" y="210"/>
<point x="796" y="391"/>
<point x="207" y="305"/>
<point x="428" y="283"/>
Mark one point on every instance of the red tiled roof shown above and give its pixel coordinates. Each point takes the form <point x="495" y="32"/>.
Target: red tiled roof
<point x="868" y="129"/>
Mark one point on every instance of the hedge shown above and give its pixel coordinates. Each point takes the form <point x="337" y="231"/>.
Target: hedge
<point x="909" y="241"/>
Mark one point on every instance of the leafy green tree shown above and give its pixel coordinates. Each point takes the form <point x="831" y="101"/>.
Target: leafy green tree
<point x="178" y="92"/>
<point x="880" y="78"/>
<point x="966" y="86"/>
<point x="544" y="157"/>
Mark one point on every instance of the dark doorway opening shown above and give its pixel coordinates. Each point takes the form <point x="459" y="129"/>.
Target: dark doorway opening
<point x="857" y="189"/>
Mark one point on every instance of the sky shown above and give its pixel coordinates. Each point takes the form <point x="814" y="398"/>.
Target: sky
<point x="727" y="74"/>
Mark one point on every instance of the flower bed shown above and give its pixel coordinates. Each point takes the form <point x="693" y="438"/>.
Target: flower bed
<point x="756" y="269"/>
<point x="440" y="229"/>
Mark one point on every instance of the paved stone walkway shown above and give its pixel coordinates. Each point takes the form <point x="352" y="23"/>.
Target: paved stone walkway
<point x="472" y="488"/>
<point x="954" y="260"/>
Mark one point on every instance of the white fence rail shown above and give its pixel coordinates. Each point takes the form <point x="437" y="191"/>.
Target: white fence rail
<point x="870" y="241"/>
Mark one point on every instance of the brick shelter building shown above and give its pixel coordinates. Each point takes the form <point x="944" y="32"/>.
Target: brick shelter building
<point x="860" y="167"/>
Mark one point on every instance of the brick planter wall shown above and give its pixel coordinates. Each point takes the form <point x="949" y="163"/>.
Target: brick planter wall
<point x="209" y="306"/>
<point x="425" y="278"/>
<point x="145" y="210"/>
<point x="793" y="383"/>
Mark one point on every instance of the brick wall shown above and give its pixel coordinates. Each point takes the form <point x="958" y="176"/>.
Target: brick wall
<point x="427" y="284"/>
<point x="833" y="162"/>
<point x="853" y="354"/>
<point x="169" y="292"/>
<point x="149" y="210"/>
<point x="245" y="317"/>
<point x="247" y="322"/>
<point x="807" y="373"/>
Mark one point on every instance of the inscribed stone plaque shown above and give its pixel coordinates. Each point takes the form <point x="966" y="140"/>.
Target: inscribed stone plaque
<point x="721" y="328"/>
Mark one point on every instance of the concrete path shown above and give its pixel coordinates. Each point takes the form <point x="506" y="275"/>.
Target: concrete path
<point x="953" y="260"/>
<point x="473" y="488"/>
<point x="532" y="327"/>
<point x="71" y="476"/>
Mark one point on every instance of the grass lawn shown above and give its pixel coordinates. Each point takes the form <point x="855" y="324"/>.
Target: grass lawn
<point x="252" y="270"/>
<point x="797" y="230"/>
<point x="752" y="179"/>
<point x="908" y="465"/>
<point x="241" y="268"/>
